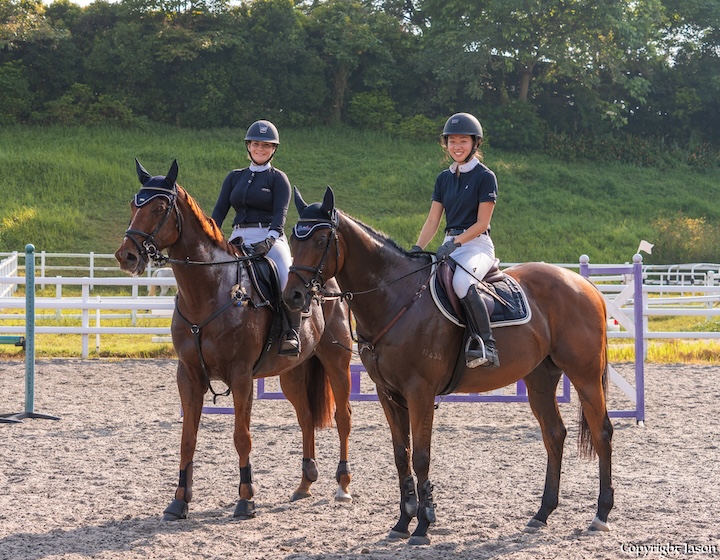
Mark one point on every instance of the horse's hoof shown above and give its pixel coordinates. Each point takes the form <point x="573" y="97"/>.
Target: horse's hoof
<point x="178" y="509"/>
<point x="342" y="496"/>
<point x="534" y="525"/>
<point x="394" y="535"/>
<point x="245" y="509"/>
<point x="299" y="496"/>
<point x="598" y="526"/>
<point x="418" y="540"/>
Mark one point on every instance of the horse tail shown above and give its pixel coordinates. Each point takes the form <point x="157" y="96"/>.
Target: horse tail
<point x="319" y="393"/>
<point x="586" y="449"/>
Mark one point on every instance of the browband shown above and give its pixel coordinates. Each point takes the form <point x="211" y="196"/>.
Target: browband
<point x="304" y="229"/>
<point x="146" y="194"/>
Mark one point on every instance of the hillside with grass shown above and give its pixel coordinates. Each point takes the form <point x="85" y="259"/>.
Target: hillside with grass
<point x="68" y="189"/>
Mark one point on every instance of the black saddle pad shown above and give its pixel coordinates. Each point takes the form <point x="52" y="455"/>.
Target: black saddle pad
<point x="508" y="302"/>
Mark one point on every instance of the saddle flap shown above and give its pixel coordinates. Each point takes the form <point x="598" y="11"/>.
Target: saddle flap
<point x="445" y="272"/>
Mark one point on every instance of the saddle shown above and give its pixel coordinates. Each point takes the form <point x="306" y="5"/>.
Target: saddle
<point x="505" y="299"/>
<point x="263" y="275"/>
<point x="265" y="280"/>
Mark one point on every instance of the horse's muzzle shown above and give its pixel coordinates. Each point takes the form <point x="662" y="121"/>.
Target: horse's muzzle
<point x="295" y="299"/>
<point x="129" y="260"/>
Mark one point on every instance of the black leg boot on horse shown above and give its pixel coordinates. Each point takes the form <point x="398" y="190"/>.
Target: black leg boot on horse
<point x="290" y="340"/>
<point x="480" y="349"/>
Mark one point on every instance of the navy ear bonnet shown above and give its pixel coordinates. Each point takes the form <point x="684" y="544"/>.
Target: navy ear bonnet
<point x="314" y="216"/>
<point x="159" y="185"/>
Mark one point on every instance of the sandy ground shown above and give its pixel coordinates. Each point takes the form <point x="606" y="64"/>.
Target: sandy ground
<point x="94" y="483"/>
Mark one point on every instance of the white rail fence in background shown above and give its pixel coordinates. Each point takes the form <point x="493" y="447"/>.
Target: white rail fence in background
<point x="8" y="267"/>
<point x="671" y="291"/>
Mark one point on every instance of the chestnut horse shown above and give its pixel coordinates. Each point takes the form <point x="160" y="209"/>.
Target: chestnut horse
<point x="410" y="350"/>
<point x="220" y="331"/>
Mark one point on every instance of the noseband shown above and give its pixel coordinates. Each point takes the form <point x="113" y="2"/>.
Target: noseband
<point x="302" y="231"/>
<point x="148" y="247"/>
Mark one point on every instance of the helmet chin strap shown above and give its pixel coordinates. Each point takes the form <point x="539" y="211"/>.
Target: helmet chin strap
<point x="473" y="151"/>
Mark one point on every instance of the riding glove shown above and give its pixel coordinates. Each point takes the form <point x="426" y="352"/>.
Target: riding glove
<point x="445" y="249"/>
<point x="262" y="247"/>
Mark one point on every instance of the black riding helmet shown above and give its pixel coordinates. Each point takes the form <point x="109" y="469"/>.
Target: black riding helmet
<point x="262" y="131"/>
<point x="465" y="124"/>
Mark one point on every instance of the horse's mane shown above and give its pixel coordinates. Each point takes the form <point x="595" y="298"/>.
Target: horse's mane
<point x="207" y="224"/>
<point x="381" y="237"/>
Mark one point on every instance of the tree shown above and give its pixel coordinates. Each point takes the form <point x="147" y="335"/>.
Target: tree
<point x="23" y="21"/>
<point x="543" y="41"/>
<point x="346" y="33"/>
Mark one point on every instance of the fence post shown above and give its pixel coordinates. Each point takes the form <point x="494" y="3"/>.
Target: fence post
<point x="709" y="281"/>
<point x="85" y="320"/>
<point x="641" y="343"/>
<point x="97" y="324"/>
<point x="133" y="313"/>
<point x="42" y="265"/>
<point x="92" y="268"/>
<point x="29" y="343"/>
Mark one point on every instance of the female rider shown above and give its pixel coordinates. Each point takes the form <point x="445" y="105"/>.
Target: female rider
<point x="466" y="193"/>
<point x="260" y="194"/>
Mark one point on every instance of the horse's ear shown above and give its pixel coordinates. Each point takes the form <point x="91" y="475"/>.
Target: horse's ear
<point x="328" y="204"/>
<point x="142" y="174"/>
<point x="300" y="204"/>
<point x="171" y="177"/>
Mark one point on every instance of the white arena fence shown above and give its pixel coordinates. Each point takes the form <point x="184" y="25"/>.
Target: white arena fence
<point x="8" y="267"/>
<point x="673" y="290"/>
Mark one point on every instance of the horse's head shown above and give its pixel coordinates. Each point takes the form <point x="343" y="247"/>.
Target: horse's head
<point x="155" y="222"/>
<point x="316" y="251"/>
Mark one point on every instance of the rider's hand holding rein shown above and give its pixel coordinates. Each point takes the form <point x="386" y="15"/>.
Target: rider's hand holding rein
<point x="263" y="247"/>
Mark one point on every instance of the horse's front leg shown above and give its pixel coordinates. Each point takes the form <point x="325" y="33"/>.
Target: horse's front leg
<point x="399" y="421"/>
<point x="191" y="399"/>
<point x="422" y="413"/>
<point x="242" y="391"/>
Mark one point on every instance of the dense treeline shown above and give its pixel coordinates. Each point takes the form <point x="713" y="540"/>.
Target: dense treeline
<point x="628" y="80"/>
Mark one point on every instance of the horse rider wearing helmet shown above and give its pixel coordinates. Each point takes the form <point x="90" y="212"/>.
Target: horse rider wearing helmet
<point x="466" y="193"/>
<point x="260" y="194"/>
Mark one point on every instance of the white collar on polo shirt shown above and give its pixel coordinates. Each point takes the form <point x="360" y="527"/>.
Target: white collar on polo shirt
<point x="255" y="168"/>
<point x="465" y="167"/>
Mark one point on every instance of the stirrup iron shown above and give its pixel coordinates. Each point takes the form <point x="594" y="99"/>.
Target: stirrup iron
<point x="475" y="357"/>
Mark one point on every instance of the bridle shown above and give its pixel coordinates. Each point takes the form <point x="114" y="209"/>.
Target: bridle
<point x="148" y="249"/>
<point x="302" y="230"/>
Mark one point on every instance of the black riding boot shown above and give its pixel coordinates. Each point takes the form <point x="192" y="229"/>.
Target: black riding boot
<point x="290" y="340"/>
<point x="480" y="349"/>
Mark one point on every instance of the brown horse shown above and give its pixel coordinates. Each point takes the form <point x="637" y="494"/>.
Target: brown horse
<point x="410" y="350"/>
<point x="221" y="330"/>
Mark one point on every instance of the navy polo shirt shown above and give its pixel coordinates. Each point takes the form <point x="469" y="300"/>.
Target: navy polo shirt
<point x="461" y="194"/>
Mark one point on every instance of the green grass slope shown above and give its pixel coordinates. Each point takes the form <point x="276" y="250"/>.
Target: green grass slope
<point x="68" y="190"/>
